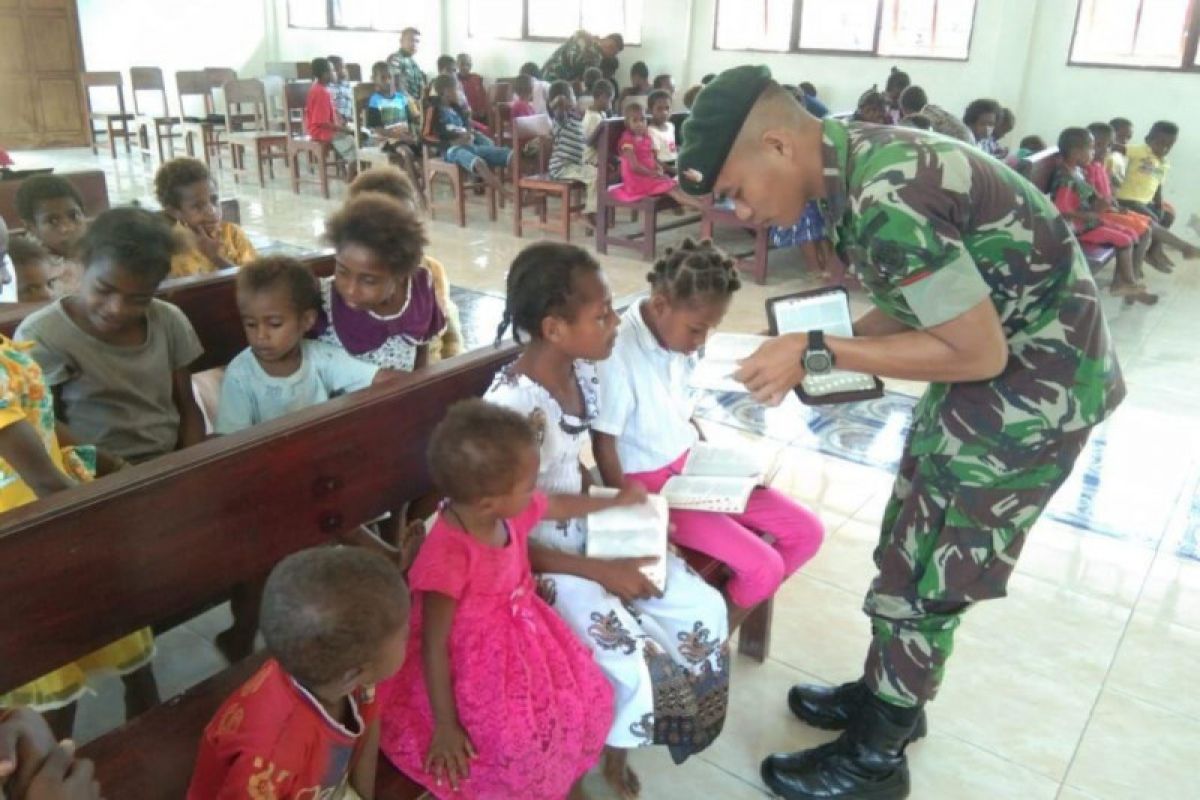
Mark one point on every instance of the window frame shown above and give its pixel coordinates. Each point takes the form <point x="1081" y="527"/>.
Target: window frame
<point x="1188" y="63"/>
<point x="525" y="37"/>
<point x="330" y="26"/>
<point x="794" y="39"/>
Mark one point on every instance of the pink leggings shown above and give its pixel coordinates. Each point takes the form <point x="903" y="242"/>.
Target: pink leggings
<point x="758" y="568"/>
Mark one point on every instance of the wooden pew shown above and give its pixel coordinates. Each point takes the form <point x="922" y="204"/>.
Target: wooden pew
<point x="1039" y="170"/>
<point x="90" y="184"/>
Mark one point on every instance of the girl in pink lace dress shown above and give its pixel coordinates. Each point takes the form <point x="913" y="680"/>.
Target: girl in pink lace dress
<point x="497" y="699"/>
<point x="641" y="174"/>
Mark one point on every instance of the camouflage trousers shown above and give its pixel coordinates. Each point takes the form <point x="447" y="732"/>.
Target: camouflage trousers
<point x="951" y="535"/>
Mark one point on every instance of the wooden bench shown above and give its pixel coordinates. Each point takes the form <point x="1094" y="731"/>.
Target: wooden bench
<point x="1039" y="170"/>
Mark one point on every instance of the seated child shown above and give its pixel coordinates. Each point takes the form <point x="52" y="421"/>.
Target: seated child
<point x="31" y="270"/>
<point x="1142" y="188"/>
<point x="34" y="464"/>
<point x="1030" y="145"/>
<point x="188" y="195"/>
<point x="115" y="356"/>
<point x="662" y="130"/>
<point x="918" y="121"/>
<point x="335" y="620"/>
<point x="281" y="371"/>
<point x="342" y="90"/>
<point x="450" y="124"/>
<point x="397" y="185"/>
<point x="809" y="235"/>
<point x="872" y="107"/>
<point x="1116" y="163"/>
<point x="51" y="209"/>
<point x="641" y="174"/>
<point x="471" y="83"/>
<point x="1078" y="202"/>
<point x="447" y="65"/>
<point x="323" y="123"/>
<point x="689" y="97"/>
<point x="394" y="120"/>
<point x="379" y="304"/>
<point x="813" y="104"/>
<point x="597" y="112"/>
<point x="559" y="304"/>
<point x="644" y="428"/>
<point x="497" y="698"/>
<point x="639" y="81"/>
<point x="590" y="76"/>
<point x="569" y="148"/>
<point x="539" y="88"/>
<point x="522" y="103"/>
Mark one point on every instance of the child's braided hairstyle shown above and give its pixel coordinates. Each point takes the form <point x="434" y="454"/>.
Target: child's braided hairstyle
<point x="696" y="271"/>
<point x="541" y="282"/>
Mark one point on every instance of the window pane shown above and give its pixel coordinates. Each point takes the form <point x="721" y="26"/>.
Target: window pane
<point x="931" y="28"/>
<point x="494" y="19"/>
<point x="761" y="25"/>
<point x="614" y="16"/>
<point x="838" y="24"/>
<point x="1131" y="32"/>
<point x="553" y="18"/>
<point x="307" y="14"/>
<point x="380" y="15"/>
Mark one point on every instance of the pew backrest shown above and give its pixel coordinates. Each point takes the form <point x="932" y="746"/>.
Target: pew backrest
<point x="90" y="184"/>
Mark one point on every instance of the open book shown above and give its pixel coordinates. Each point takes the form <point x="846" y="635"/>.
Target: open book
<point x="631" y="532"/>
<point x="719" y="479"/>
<point x="719" y="361"/>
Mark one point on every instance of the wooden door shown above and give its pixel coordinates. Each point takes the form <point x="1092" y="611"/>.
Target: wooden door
<point x="41" y="99"/>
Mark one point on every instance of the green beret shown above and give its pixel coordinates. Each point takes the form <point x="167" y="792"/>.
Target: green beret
<point x="717" y="116"/>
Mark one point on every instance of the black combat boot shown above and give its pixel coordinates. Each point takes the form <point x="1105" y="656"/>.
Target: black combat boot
<point x="831" y="708"/>
<point x="866" y="763"/>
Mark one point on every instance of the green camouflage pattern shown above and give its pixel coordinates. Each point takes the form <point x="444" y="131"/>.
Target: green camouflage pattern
<point x="569" y="61"/>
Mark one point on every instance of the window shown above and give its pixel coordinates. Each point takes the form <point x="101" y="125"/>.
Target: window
<point x="1136" y="33"/>
<point x="554" y="19"/>
<point x="912" y="28"/>
<point x="375" y="15"/>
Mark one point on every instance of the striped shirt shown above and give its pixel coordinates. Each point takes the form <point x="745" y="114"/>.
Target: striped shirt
<point x="569" y="144"/>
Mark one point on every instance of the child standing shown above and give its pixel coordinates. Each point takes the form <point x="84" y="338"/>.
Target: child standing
<point x="662" y="130"/>
<point x="644" y="429"/>
<point x="497" y="698"/>
<point x="450" y="124"/>
<point x="641" y="174"/>
<point x="188" y="195"/>
<point x="307" y="724"/>
<point x="567" y="155"/>
<point x="51" y="209"/>
<point x="643" y="639"/>
<point x="31" y="270"/>
<point x="33" y="464"/>
<point x="379" y="304"/>
<point x="1078" y="202"/>
<point x="322" y="120"/>
<point x="116" y="357"/>
<point x="395" y="184"/>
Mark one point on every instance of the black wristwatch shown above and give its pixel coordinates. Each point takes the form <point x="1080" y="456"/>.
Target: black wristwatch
<point x="817" y="358"/>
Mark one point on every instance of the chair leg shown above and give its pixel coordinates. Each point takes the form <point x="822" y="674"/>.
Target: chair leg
<point x="649" y="232"/>
<point x="603" y="217"/>
<point x="262" y="175"/>
<point x="494" y="199"/>
<point x="324" y="166"/>
<point x="564" y="220"/>
<point x="112" y="141"/>
<point x="294" y="161"/>
<point x="754" y="637"/>
<point x="518" y="206"/>
<point x="460" y="198"/>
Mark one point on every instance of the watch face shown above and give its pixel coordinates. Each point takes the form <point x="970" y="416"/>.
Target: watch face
<point x="818" y="362"/>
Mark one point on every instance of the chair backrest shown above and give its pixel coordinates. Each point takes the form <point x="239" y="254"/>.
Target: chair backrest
<point x="193" y="84"/>
<point x="677" y="119"/>
<point x="640" y="99"/>
<point x="104" y="81"/>
<point x="1041" y="169"/>
<point x="295" y="99"/>
<point x="304" y="70"/>
<point x="536" y="127"/>
<point x="501" y="92"/>
<point x="502" y="124"/>
<point x="606" y="151"/>
<point x="283" y="69"/>
<point x="354" y="73"/>
<point x="245" y="105"/>
<point x="149" y="80"/>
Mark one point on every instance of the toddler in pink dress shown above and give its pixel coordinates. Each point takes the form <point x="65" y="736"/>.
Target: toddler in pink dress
<point x="641" y="174"/>
<point x="498" y="699"/>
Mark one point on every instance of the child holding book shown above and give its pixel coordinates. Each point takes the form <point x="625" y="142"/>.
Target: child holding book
<point x="644" y="430"/>
<point x="188" y="196"/>
<point x="497" y="698"/>
<point x="644" y="639"/>
<point x="335" y="621"/>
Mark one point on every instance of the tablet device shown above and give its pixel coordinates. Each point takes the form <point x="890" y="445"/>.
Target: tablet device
<point x="827" y="310"/>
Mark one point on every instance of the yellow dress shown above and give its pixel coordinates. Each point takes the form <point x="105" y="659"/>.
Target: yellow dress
<point x="235" y="248"/>
<point x="450" y="343"/>
<point x="24" y="397"/>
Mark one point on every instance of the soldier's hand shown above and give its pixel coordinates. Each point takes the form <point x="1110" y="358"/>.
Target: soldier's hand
<point x="774" y="369"/>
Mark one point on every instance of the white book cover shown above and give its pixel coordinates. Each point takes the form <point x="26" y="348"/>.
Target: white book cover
<point x="719" y="495"/>
<point x="722" y="461"/>
<point x="722" y="352"/>
<point x="631" y="532"/>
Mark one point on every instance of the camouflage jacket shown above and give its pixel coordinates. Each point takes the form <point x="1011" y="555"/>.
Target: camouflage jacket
<point x="568" y="62"/>
<point x="931" y="227"/>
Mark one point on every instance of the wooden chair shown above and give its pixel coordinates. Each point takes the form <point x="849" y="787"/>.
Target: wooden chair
<point x="217" y="78"/>
<point x="459" y="180"/>
<point x="499" y="92"/>
<point x="502" y="123"/>
<point x="197" y="128"/>
<point x="158" y="121"/>
<point x="301" y="145"/>
<point x="354" y="73"/>
<point x="645" y="240"/>
<point x="246" y="128"/>
<point x="534" y="189"/>
<point x="116" y="122"/>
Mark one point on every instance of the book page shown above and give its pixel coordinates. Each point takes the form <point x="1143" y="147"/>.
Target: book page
<point x="723" y="495"/>
<point x="713" y="460"/>
<point x="631" y="532"/>
<point x="721" y="354"/>
<point x="829" y="313"/>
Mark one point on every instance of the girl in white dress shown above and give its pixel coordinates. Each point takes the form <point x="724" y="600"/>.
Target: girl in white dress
<point x="667" y="653"/>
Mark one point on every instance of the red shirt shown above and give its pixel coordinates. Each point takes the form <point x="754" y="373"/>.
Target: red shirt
<point x="274" y="739"/>
<point x="522" y="108"/>
<point x="319" y="111"/>
<point x="477" y="98"/>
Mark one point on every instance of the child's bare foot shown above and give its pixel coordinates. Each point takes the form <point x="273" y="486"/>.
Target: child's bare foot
<point x="623" y="780"/>
<point x="1160" y="262"/>
<point x="1191" y="252"/>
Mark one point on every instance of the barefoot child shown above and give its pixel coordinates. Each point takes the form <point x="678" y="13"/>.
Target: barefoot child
<point x="643" y="639"/>
<point x="33" y="464"/>
<point x="662" y="130"/>
<point x="51" y="209"/>
<point x="115" y="356"/>
<point x="450" y="123"/>
<point x="497" y="699"/>
<point x="644" y="428"/>
<point x="307" y="725"/>
<point x="379" y="304"/>
<point x="188" y="195"/>
<point x="641" y="174"/>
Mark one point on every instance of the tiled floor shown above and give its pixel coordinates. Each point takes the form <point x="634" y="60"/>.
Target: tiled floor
<point x="1080" y="685"/>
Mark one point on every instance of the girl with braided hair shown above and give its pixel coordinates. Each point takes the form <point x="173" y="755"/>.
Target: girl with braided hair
<point x="644" y="430"/>
<point x="665" y="653"/>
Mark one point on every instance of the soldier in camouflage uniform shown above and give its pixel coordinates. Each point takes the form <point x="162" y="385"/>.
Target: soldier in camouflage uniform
<point x="980" y="288"/>
<point x="581" y="51"/>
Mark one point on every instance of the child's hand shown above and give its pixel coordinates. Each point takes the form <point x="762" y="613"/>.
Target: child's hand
<point x="631" y="494"/>
<point x="208" y="244"/>
<point x="624" y="578"/>
<point x="63" y="777"/>
<point x="107" y="463"/>
<point x="450" y="755"/>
